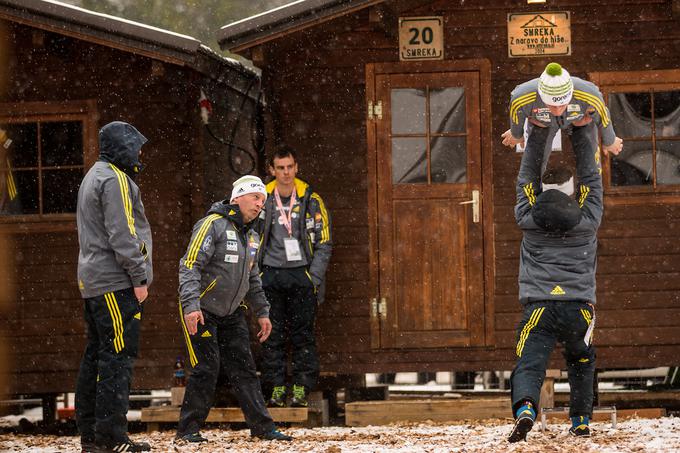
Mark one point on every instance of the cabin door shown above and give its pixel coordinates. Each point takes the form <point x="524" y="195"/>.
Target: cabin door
<point x="429" y="223"/>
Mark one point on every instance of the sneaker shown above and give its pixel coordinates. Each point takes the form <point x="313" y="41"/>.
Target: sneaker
<point x="193" y="438"/>
<point x="126" y="446"/>
<point x="299" y="397"/>
<point x="523" y="424"/>
<point x="579" y="426"/>
<point x="278" y="398"/>
<point x="274" y="434"/>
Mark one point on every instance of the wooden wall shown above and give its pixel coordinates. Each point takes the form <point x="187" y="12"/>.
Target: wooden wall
<point x="44" y="329"/>
<point x="315" y="83"/>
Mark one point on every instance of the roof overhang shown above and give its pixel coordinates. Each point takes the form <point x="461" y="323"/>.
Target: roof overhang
<point x="116" y="32"/>
<point x="295" y="16"/>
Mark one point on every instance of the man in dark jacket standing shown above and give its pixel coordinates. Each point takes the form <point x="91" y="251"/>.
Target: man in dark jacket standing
<point x="114" y="272"/>
<point x="558" y="259"/>
<point x="219" y="270"/>
<point x="296" y="248"/>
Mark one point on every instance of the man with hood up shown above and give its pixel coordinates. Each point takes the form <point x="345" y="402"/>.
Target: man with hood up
<point x="558" y="260"/>
<point x="114" y="272"/>
<point x="218" y="276"/>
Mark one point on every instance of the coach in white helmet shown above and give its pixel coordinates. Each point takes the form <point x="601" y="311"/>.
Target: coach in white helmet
<point x="218" y="280"/>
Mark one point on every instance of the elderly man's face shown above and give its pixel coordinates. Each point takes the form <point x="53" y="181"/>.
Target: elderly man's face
<point x="250" y="205"/>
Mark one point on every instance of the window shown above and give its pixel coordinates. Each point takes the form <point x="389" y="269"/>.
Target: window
<point x="649" y="124"/>
<point x="645" y="112"/>
<point x="44" y="152"/>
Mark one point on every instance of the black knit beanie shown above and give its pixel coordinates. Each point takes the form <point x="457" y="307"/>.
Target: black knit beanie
<point x="556" y="211"/>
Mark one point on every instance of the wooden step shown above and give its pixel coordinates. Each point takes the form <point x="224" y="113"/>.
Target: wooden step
<point x="366" y="413"/>
<point x="168" y="414"/>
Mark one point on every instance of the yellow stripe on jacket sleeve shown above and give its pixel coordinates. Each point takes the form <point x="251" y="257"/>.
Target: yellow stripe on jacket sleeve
<point x="195" y="245"/>
<point x="519" y="103"/>
<point x="596" y="102"/>
<point x="11" y="186"/>
<point x="127" y="201"/>
<point x="325" y="232"/>
<point x="117" y="321"/>
<point x="529" y="192"/>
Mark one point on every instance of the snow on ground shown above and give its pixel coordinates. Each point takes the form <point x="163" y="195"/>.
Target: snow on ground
<point x="634" y="435"/>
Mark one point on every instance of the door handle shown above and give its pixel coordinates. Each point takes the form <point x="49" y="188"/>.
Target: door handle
<point x="475" y="205"/>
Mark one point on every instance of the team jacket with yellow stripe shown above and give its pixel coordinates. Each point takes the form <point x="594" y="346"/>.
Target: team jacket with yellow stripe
<point x="559" y="266"/>
<point x="113" y="232"/>
<point x="315" y="221"/>
<point x="219" y="269"/>
<point x="525" y="102"/>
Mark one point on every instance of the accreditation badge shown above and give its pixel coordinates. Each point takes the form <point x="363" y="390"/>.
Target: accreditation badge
<point x="292" y="249"/>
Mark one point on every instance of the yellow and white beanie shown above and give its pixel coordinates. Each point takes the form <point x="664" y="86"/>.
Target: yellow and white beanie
<point x="555" y="86"/>
<point x="247" y="184"/>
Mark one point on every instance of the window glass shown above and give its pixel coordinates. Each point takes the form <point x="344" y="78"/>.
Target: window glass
<point x="26" y="201"/>
<point x="447" y="110"/>
<point x="409" y="160"/>
<point x="408" y="111"/>
<point x="23" y="144"/>
<point x="61" y="143"/>
<point x="633" y="166"/>
<point x="449" y="159"/>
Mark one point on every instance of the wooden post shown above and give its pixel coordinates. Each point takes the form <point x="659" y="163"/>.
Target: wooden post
<point x="548" y="390"/>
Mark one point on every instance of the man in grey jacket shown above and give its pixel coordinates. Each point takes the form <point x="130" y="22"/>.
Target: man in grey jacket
<point x="114" y="272"/>
<point x="558" y="259"/>
<point x="218" y="275"/>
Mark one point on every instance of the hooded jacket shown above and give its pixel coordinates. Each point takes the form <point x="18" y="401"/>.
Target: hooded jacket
<point x="219" y="269"/>
<point x="559" y="265"/>
<point x="113" y="232"/>
<point x="315" y="221"/>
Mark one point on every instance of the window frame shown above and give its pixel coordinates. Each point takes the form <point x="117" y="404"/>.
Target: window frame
<point x="636" y="81"/>
<point x="27" y="112"/>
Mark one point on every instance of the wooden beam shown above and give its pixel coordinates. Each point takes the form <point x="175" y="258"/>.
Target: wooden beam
<point x="384" y="412"/>
<point x="167" y="414"/>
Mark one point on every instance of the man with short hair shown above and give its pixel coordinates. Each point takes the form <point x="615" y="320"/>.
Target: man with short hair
<point x="296" y="249"/>
<point x="558" y="101"/>
<point x="114" y="272"/>
<point x="218" y="276"/>
<point x="558" y="258"/>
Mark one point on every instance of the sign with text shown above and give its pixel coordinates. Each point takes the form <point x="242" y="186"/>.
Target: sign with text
<point x="421" y="38"/>
<point x="539" y="34"/>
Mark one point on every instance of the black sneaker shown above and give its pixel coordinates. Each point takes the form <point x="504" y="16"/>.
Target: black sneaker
<point x="580" y="431"/>
<point x="127" y="446"/>
<point x="523" y="425"/>
<point x="193" y="438"/>
<point x="299" y="397"/>
<point x="278" y="398"/>
<point x="274" y="434"/>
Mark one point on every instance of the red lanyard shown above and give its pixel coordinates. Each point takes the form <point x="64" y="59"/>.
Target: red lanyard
<point x="287" y="222"/>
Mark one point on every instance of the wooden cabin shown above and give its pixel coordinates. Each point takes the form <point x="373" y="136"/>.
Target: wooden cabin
<point x="401" y="136"/>
<point x="64" y="73"/>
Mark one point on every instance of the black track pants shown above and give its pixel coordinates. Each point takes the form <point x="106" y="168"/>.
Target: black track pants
<point x="293" y="314"/>
<point x="542" y="325"/>
<point x="222" y="341"/>
<point x="103" y="387"/>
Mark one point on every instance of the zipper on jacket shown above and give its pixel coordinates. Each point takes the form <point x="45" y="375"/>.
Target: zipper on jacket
<point x="209" y="288"/>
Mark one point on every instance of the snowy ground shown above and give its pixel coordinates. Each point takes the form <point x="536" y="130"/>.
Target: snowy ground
<point x="635" y="435"/>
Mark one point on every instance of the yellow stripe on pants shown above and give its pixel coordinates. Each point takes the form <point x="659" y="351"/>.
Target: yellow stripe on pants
<point x="192" y="355"/>
<point x="117" y="321"/>
<point x="533" y="321"/>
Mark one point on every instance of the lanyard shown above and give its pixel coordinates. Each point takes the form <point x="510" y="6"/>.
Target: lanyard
<point x="287" y="222"/>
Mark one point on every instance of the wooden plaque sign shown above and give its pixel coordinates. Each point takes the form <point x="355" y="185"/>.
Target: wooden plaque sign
<point x="421" y="38"/>
<point x="539" y="34"/>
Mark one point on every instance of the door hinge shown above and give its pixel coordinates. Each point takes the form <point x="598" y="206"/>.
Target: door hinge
<point x="382" y="309"/>
<point x="374" y="308"/>
<point x="375" y="110"/>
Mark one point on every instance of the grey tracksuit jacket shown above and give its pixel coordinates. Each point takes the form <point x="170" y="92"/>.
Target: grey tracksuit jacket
<point x="219" y="269"/>
<point x="525" y="103"/>
<point x="113" y="232"/>
<point x="315" y="221"/>
<point x="559" y="266"/>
